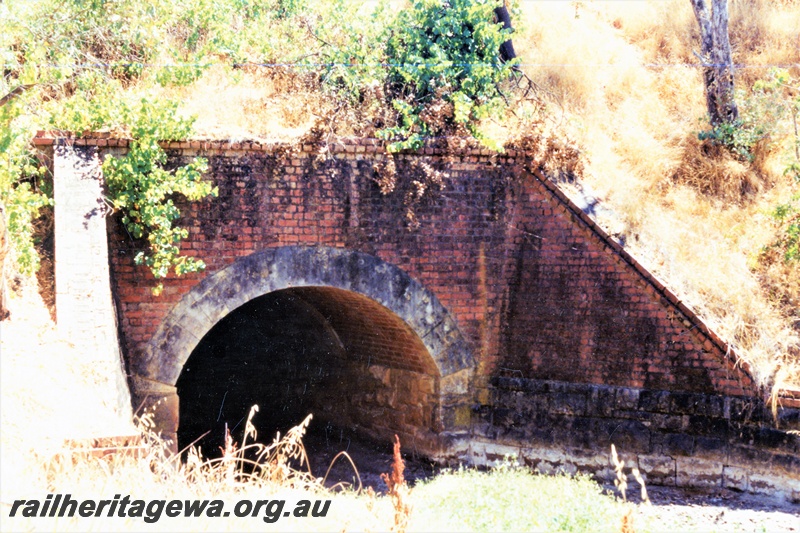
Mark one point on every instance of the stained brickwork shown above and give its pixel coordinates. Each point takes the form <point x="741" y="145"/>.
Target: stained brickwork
<point x="589" y="317"/>
<point x="537" y="291"/>
<point x="522" y="285"/>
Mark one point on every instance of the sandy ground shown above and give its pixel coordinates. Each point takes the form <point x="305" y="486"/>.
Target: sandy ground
<point x="48" y="393"/>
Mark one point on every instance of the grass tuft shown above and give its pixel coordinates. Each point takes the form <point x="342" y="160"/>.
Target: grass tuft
<point x="512" y="498"/>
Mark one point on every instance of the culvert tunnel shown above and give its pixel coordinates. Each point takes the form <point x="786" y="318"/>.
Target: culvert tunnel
<point x="339" y="355"/>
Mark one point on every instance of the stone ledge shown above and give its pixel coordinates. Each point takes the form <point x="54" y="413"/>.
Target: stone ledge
<point x="735" y="431"/>
<point x="627" y="401"/>
<point x="688" y="472"/>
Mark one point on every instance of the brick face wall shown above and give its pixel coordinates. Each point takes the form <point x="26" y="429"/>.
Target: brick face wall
<point x="575" y="345"/>
<point x="537" y="289"/>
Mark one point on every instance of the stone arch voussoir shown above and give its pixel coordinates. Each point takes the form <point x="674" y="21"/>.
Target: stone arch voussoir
<point x="156" y="371"/>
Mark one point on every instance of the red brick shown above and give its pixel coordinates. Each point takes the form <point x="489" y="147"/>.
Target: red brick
<point x="565" y="308"/>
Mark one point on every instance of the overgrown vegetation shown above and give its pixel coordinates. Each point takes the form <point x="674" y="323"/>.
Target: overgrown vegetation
<point x="21" y="191"/>
<point x="445" y="70"/>
<point x="139" y="185"/>
<point x="85" y="66"/>
<point x="773" y="102"/>
<point x="73" y="69"/>
<point x="625" y="87"/>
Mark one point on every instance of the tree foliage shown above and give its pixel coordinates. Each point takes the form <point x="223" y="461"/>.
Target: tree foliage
<point x="782" y="94"/>
<point x="436" y="64"/>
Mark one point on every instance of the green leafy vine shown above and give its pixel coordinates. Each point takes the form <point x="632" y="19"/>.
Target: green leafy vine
<point x="142" y="188"/>
<point x="20" y="196"/>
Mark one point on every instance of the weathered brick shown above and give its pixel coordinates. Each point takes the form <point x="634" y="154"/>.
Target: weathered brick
<point x="540" y="294"/>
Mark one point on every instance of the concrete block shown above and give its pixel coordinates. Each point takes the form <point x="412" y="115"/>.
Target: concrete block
<point x="735" y="477"/>
<point x="492" y="454"/>
<point x="657" y="469"/>
<point x="456" y="383"/>
<point x="693" y="472"/>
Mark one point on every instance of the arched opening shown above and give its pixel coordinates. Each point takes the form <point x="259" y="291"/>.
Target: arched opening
<point x="399" y="362"/>
<point x="339" y="355"/>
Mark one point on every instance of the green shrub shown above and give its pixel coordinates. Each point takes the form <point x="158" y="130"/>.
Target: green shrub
<point x="435" y="63"/>
<point x="511" y="498"/>
<point x="775" y="100"/>
<point x="80" y="56"/>
<point x="445" y="69"/>
<point x="19" y="175"/>
<point x="787" y="216"/>
<point x="351" y="52"/>
<point x="739" y="137"/>
<point x="140" y="186"/>
<point x="764" y="111"/>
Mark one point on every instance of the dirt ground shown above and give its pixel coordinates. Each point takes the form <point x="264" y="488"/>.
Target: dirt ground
<point x="672" y="509"/>
<point x="718" y="510"/>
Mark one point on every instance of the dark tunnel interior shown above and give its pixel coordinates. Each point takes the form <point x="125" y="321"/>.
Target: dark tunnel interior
<point x="349" y="361"/>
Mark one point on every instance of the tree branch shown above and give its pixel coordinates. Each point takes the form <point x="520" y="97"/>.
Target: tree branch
<point x="15" y="92"/>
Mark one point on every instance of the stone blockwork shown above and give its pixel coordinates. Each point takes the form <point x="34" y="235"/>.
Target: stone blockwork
<point x="675" y="438"/>
<point x="529" y="286"/>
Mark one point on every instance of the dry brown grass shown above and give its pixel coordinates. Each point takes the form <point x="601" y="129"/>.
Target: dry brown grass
<point x="765" y="33"/>
<point x="50" y="401"/>
<point x="252" y="103"/>
<point x="253" y="471"/>
<point x="691" y="213"/>
<point x="710" y="168"/>
<point x="398" y="490"/>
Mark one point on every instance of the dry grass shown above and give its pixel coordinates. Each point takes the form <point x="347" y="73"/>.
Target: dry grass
<point x="694" y="215"/>
<point x="708" y="167"/>
<point x="50" y="398"/>
<point x="276" y="104"/>
<point x="253" y="472"/>
<point x="398" y="490"/>
<point x="50" y="393"/>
